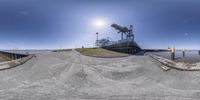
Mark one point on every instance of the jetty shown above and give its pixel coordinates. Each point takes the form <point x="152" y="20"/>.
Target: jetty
<point x="10" y="60"/>
<point x="70" y="75"/>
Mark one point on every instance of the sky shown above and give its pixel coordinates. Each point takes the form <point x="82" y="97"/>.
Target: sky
<point x="55" y="24"/>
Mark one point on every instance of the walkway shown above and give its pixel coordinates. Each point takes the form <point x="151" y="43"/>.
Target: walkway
<point x="71" y="76"/>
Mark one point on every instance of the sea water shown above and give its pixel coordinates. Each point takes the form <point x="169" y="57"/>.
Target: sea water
<point x="27" y="51"/>
<point x="24" y="52"/>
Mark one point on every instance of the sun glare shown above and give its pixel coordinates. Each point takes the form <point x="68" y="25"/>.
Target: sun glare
<point x="99" y="23"/>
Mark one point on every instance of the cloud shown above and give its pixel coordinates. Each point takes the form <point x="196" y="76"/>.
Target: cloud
<point x="25" y="13"/>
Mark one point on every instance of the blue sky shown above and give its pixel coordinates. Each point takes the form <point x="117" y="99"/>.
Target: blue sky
<point x="53" y="24"/>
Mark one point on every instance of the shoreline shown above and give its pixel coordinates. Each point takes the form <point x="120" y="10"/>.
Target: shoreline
<point x="190" y="56"/>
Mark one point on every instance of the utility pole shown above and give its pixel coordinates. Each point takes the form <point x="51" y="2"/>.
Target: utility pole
<point x="131" y="32"/>
<point x="97" y="39"/>
<point x="122" y="35"/>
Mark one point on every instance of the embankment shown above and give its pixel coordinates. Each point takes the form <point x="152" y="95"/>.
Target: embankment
<point x="11" y="60"/>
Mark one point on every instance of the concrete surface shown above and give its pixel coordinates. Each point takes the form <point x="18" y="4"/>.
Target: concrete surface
<point x="1" y="59"/>
<point x="71" y="76"/>
<point x="4" y="65"/>
<point x="182" y="66"/>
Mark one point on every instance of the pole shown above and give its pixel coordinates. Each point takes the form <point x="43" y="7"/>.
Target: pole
<point x="183" y="53"/>
<point x="173" y="54"/>
<point x="131" y="32"/>
<point x="97" y="39"/>
<point x="122" y="36"/>
<point x="199" y="52"/>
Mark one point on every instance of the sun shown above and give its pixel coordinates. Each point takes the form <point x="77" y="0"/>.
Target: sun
<point x="99" y="23"/>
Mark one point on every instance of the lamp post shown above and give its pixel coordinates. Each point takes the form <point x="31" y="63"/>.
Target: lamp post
<point x="97" y="39"/>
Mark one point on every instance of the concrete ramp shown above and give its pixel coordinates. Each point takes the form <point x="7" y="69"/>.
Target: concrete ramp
<point x="72" y="76"/>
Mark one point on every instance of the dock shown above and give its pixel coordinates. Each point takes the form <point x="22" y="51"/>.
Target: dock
<point x="11" y="60"/>
<point x="73" y="76"/>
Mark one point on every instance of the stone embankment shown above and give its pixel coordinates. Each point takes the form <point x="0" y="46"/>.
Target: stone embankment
<point x="168" y="64"/>
<point x="13" y="59"/>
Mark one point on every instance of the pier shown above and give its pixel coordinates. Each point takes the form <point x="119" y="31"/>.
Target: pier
<point x="12" y="56"/>
<point x="12" y="60"/>
<point x="73" y="76"/>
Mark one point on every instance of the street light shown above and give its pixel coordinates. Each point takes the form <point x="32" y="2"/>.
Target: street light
<point x="97" y="39"/>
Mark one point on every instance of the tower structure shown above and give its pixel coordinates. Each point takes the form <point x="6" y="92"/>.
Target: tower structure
<point x="130" y="33"/>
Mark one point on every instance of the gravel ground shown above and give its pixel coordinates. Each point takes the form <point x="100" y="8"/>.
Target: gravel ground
<point x="72" y="76"/>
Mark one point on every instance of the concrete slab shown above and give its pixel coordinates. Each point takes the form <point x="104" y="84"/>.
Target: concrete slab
<point x="1" y="59"/>
<point x="72" y="76"/>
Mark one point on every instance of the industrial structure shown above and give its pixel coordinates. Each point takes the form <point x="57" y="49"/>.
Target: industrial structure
<point x="125" y="45"/>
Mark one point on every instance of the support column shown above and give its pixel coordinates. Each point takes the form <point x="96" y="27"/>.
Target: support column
<point x="199" y="52"/>
<point x="183" y="53"/>
<point x="15" y="56"/>
<point x="12" y="55"/>
<point x="173" y="54"/>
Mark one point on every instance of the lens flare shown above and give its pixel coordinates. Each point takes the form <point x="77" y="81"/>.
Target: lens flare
<point x="99" y="23"/>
